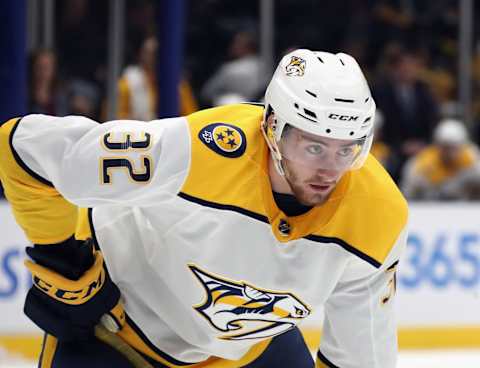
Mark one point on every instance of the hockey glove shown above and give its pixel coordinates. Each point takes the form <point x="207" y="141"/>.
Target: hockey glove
<point x="71" y="290"/>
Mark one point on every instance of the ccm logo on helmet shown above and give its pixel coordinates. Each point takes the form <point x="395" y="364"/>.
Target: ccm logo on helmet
<point x="343" y="117"/>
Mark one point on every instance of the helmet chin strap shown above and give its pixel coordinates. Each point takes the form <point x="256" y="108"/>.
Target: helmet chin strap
<point x="278" y="164"/>
<point x="272" y="145"/>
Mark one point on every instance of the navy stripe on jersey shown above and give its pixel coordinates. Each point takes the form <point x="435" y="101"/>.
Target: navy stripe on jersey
<point x="256" y="216"/>
<point x="92" y="229"/>
<point x="346" y="246"/>
<point x="20" y="162"/>
<point x="325" y="361"/>
<point x="226" y="207"/>
<point x="147" y="342"/>
<point x="392" y="266"/>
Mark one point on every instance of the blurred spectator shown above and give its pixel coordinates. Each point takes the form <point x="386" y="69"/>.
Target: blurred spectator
<point x="408" y="105"/>
<point x="140" y="18"/>
<point x="83" y="99"/>
<point x="476" y="90"/>
<point x="440" y="80"/>
<point x="447" y="169"/>
<point x="242" y="75"/>
<point x="391" y="20"/>
<point x="138" y="93"/>
<point x="81" y="38"/>
<point x="381" y="150"/>
<point x="228" y="99"/>
<point x="45" y="88"/>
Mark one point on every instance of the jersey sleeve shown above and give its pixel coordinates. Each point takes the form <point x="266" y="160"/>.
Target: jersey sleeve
<point x="359" y="328"/>
<point x="118" y="162"/>
<point x="44" y="215"/>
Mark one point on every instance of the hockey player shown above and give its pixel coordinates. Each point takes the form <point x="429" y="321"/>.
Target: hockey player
<point x="447" y="169"/>
<point x="208" y="239"/>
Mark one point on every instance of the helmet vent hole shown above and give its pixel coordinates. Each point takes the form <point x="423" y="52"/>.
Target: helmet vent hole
<point x="296" y="105"/>
<point x="328" y="130"/>
<point x="311" y="93"/>
<point x="307" y="118"/>
<point x="366" y="100"/>
<point x="310" y="113"/>
<point x="319" y="58"/>
<point x="344" y="100"/>
<point x="342" y="62"/>
<point x="352" y="133"/>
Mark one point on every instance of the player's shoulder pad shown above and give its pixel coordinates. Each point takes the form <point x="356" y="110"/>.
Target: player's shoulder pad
<point x="224" y="130"/>
<point x="371" y="216"/>
<point x="226" y="148"/>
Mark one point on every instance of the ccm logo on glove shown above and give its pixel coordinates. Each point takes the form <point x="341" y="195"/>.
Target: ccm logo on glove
<point x="68" y="291"/>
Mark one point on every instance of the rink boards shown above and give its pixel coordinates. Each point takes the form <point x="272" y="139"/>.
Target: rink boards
<point x="438" y="281"/>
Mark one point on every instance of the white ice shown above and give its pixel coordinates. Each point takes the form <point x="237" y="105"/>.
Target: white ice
<point x="407" y="359"/>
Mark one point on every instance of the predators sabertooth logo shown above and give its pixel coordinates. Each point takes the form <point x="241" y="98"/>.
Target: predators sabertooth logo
<point x="243" y="311"/>
<point x="296" y="67"/>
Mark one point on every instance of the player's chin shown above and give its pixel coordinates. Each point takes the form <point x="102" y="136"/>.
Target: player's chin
<point x="316" y="195"/>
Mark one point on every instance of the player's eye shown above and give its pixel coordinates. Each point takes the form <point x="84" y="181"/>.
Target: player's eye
<point x="314" y="149"/>
<point x="345" y="152"/>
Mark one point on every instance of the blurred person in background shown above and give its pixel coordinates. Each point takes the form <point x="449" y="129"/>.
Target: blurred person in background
<point x="389" y="21"/>
<point x="408" y="105"/>
<point x="83" y="98"/>
<point x="441" y="82"/>
<point x="229" y="99"/>
<point x="82" y="25"/>
<point x="137" y="89"/>
<point x="46" y="90"/>
<point x="448" y="169"/>
<point x="241" y="75"/>
<point x="381" y="150"/>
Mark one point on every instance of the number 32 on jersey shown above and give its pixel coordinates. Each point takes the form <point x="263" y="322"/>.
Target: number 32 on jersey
<point x="119" y="159"/>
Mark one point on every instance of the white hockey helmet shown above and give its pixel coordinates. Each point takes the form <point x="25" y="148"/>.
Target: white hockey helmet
<point x="321" y="94"/>
<point x="450" y="132"/>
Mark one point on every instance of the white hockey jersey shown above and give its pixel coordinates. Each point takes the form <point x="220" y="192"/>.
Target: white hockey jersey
<point x="207" y="264"/>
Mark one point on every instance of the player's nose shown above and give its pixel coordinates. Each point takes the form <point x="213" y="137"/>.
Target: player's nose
<point x="327" y="174"/>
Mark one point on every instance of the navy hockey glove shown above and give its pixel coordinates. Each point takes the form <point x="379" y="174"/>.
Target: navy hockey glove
<point x="71" y="290"/>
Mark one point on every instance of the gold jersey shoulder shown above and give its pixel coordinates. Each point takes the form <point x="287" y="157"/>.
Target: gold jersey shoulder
<point x="228" y="156"/>
<point x="370" y="215"/>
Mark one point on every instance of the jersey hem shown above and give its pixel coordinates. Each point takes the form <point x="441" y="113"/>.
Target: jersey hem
<point x="150" y="345"/>
<point x="325" y="361"/>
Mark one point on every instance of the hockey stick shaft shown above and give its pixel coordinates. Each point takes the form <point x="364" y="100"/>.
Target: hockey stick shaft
<point x="121" y="346"/>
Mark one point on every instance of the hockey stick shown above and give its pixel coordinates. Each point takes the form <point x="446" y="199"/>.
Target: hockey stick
<point x="121" y="346"/>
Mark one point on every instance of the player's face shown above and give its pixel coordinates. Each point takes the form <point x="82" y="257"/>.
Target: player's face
<point x="310" y="187"/>
<point x="449" y="153"/>
<point x="313" y="165"/>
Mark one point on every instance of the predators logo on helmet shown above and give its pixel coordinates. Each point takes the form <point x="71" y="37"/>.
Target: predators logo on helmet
<point x="296" y="67"/>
